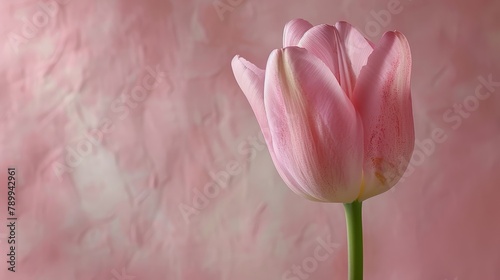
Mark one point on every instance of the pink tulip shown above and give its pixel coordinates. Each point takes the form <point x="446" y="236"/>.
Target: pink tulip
<point x="335" y="110"/>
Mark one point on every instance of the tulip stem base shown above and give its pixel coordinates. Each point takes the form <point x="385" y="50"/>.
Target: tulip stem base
<point x="353" y="215"/>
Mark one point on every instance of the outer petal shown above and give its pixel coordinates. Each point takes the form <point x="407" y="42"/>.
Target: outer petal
<point x="382" y="98"/>
<point x="316" y="132"/>
<point x="357" y="47"/>
<point x="324" y="41"/>
<point x="250" y="78"/>
<point x="294" y="30"/>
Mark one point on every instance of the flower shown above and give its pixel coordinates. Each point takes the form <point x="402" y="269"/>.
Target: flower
<point x="335" y="110"/>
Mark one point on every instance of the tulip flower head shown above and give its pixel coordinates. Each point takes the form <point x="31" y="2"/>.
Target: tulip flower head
<point x="335" y="110"/>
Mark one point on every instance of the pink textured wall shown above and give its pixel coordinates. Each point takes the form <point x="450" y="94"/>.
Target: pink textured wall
<point x="150" y="82"/>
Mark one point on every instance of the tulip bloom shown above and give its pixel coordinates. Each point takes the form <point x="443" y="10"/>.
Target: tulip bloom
<point x="335" y="110"/>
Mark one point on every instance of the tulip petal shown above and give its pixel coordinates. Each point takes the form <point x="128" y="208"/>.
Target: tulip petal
<point x="316" y="132"/>
<point x="382" y="98"/>
<point x="357" y="47"/>
<point x="250" y="78"/>
<point x="294" y="30"/>
<point x="324" y="41"/>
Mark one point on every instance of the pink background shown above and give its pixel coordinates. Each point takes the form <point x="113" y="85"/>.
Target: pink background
<point x="112" y="208"/>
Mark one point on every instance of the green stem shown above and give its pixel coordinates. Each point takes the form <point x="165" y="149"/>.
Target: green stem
<point x="353" y="216"/>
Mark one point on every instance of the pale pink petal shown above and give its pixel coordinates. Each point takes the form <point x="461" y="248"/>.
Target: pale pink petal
<point x="357" y="47"/>
<point x="324" y="42"/>
<point x="294" y="30"/>
<point x="382" y="98"/>
<point x="250" y="78"/>
<point x="315" y="130"/>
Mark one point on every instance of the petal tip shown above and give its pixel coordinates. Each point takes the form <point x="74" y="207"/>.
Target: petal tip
<point x="236" y="62"/>
<point x="235" y="59"/>
<point x="294" y="30"/>
<point x="394" y="34"/>
<point x="240" y="62"/>
<point x="400" y="36"/>
<point x="296" y="21"/>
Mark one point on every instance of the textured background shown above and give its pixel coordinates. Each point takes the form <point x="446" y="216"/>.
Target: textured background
<point x="127" y="201"/>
